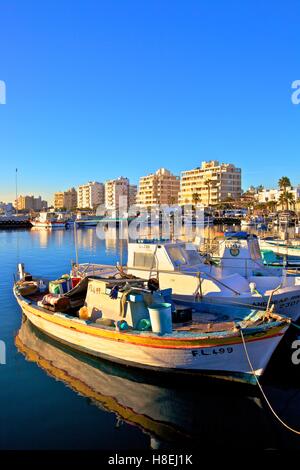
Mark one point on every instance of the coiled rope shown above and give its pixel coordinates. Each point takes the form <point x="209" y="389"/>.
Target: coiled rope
<point x="261" y="389"/>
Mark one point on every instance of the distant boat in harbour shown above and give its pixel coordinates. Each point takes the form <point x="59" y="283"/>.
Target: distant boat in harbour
<point x="48" y="220"/>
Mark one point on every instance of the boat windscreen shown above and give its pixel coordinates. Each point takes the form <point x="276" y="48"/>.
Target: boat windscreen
<point x="177" y="255"/>
<point x="193" y="257"/>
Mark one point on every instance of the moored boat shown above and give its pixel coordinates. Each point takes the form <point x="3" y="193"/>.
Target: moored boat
<point x="179" y="265"/>
<point x="169" y="411"/>
<point x="127" y="321"/>
<point x="281" y="247"/>
<point x="48" y="220"/>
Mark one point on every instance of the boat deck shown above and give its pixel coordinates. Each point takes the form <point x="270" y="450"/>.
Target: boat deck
<point x="211" y="319"/>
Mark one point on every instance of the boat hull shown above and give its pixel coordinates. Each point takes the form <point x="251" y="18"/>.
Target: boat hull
<point x="49" y="225"/>
<point x="223" y="356"/>
<point x="87" y="223"/>
<point x="281" y="249"/>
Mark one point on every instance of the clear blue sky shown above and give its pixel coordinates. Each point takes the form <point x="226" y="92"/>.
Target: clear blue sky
<point x="102" y="88"/>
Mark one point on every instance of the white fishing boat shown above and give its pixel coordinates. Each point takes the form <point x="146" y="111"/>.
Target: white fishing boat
<point x="127" y="321"/>
<point x="48" y="220"/>
<point x="239" y="252"/>
<point x="179" y="265"/>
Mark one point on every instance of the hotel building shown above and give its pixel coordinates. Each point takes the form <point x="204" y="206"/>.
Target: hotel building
<point x="30" y="203"/>
<point x="161" y="187"/>
<point x="268" y="195"/>
<point x="210" y="184"/>
<point x="119" y="192"/>
<point x="90" y="195"/>
<point x="66" y="199"/>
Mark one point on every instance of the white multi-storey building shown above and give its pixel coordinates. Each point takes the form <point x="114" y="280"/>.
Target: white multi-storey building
<point x="117" y="193"/>
<point x="90" y="195"/>
<point x="268" y="195"/>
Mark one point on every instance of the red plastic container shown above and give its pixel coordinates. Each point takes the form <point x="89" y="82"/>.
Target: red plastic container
<point x="75" y="281"/>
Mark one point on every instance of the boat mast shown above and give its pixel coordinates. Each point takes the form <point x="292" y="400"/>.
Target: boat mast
<point x="16" y="191"/>
<point x="75" y="243"/>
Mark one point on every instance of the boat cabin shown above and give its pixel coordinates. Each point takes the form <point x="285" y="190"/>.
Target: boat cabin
<point x="240" y="252"/>
<point x="116" y="300"/>
<point x="150" y="256"/>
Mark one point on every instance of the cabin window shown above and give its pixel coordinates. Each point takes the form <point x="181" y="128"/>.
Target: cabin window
<point x="176" y="255"/>
<point x="144" y="260"/>
<point x="192" y="257"/>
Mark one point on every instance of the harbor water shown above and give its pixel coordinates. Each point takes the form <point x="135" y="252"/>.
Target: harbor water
<point x="52" y="397"/>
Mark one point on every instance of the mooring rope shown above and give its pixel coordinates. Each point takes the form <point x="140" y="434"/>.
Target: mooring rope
<point x="261" y="389"/>
<point x="295" y="325"/>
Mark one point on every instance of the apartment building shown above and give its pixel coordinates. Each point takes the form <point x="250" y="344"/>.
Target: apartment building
<point x="90" y="195"/>
<point x="161" y="187"/>
<point x="210" y="184"/>
<point x="117" y="193"/>
<point x="30" y="203"/>
<point x="65" y="199"/>
<point x="132" y="194"/>
<point x="268" y="195"/>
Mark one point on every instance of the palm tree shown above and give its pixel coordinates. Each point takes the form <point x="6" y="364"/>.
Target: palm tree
<point x="207" y="183"/>
<point x="286" y="200"/>
<point x="195" y="198"/>
<point x="282" y="201"/>
<point x="290" y="199"/>
<point x="284" y="182"/>
<point x="272" y="205"/>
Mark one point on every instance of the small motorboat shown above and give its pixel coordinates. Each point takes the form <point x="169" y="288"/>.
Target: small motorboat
<point x="130" y="321"/>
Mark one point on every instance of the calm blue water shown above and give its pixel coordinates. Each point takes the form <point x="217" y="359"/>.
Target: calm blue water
<point x="54" y="398"/>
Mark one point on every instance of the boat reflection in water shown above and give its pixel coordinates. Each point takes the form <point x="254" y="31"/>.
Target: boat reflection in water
<point x="185" y="414"/>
